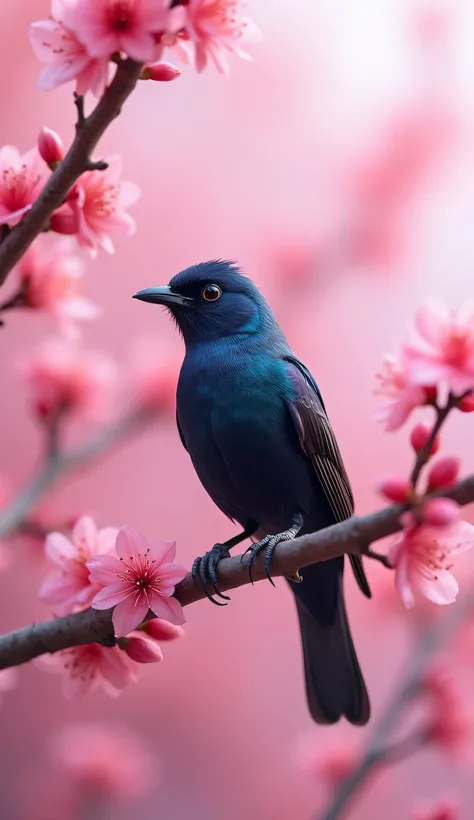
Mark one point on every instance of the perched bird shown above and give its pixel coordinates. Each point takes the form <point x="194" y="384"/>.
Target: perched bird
<point x="252" y="418"/>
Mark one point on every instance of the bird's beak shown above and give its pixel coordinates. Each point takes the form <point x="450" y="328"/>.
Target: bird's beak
<point x="163" y="296"/>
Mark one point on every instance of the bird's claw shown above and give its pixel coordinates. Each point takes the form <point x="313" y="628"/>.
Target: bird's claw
<point x="268" y="544"/>
<point x="205" y="569"/>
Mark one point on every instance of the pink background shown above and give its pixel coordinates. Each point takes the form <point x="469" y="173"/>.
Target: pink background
<point x="294" y="167"/>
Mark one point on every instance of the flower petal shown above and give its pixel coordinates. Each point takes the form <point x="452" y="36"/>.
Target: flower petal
<point x="172" y="573"/>
<point x="441" y="589"/>
<point x="130" y="543"/>
<point x="84" y="534"/>
<point x="111" y="595"/>
<point x="129" y="614"/>
<point x="164" y="552"/>
<point x="402" y="583"/>
<point x="167" y="608"/>
<point x="58" y="548"/>
<point x="105" y="569"/>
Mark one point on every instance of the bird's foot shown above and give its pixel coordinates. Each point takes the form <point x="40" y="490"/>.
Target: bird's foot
<point x="269" y="543"/>
<point x="382" y="559"/>
<point x="205" y="568"/>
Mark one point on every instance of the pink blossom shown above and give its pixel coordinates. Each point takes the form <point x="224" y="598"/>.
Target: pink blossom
<point x="50" y="147"/>
<point x="444" y="473"/>
<point x="141" y="649"/>
<point x="420" y="436"/>
<point x="66" y="57"/>
<point x="402" y="396"/>
<point x="87" y="667"/>
<point x="422" y="555"/>
<point x="445" y="809"/>
<point x="68" y="588"/>
<point x="466" y="405"/>
<point x="63" y="377"/>
<point x="8" y="680"/>
<point x="332" y="763"/>
<point x="50" y="279"/>
<point x="95" y="208"/>
<point x="21" y="180"/>
<point x="451" y="724"/>
<point x="110" y="26"/>
<point x="218" y="27"/>
<point x="103" y="759"/>
<point x="142" y="577"/>
<point x="444" y="349"/>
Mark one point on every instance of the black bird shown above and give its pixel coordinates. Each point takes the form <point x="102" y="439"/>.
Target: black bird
<point x="252" y="418"/>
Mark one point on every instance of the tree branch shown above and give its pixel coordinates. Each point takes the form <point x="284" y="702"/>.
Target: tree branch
<point x="78" y="159"/>
<point x="351" y="536"/>
<point x="59" y="463"/>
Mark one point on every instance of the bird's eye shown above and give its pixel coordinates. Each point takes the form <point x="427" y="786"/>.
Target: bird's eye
<point x="211" y="293"/>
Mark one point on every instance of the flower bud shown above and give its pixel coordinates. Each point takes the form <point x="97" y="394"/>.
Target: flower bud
<point x="50" y="147"/>
<point x="466" y="405"/>
<point x="441" y="511"/>
<point x="395" y="489"/>
<point x="161" y="72"/>
<point x="420" y="436"/>
<point x="444" y="473"/>
<point x="160" y="630"/>
<point x="141" y="649"/>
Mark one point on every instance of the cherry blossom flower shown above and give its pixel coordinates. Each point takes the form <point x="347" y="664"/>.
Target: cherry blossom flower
<point x="86" y="667"/>
<point x="142" y="577"/>
<point x="50" y="276"/>
<point x="128" y="26"/>
<point x="66" y="57"/>
<point x="445" y="809"/>
<point x="444" y="473"/>
<point x="95" y="208"/>
<point x="68" y="588"/>
<point x="420" y="436"/>
<point x="333" y="763"/>
<point x="421" y="556"/>
<point x="8" y="681"/>
<point x="444" y="349"/>
<point x="217" y="28"/>
<point x="161" y="72"/>
<point x="402" y="395"/>
<point x="451" y="723"/>
<point x="103" y="759"/>
<point x="21" y="180"/>
<point x="63" y="377"/>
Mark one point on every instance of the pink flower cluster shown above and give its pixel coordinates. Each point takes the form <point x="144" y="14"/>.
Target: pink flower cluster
<point x="107" y="568"/>
<point x="441" y="356"/>
<point x="83" y="38"/>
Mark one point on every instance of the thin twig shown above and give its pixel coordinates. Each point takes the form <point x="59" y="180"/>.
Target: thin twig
<point x="91" y="626"/>
<point x="59" y="463"/>
<point x="88" y="133"/>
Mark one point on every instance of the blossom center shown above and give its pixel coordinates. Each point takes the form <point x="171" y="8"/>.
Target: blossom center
<point x="120" y="16"/>
<point x="457" y="345"/>
<point x="141" y="573"/>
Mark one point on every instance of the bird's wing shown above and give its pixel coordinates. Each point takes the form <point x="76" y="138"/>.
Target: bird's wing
<point x="317" y="440"/>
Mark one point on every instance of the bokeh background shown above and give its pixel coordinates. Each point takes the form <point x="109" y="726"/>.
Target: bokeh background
<point x="338" y="169"/>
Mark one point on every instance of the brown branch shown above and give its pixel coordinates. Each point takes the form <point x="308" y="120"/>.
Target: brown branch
<point x="351" y="536"/>
<point x="78" y="159"/>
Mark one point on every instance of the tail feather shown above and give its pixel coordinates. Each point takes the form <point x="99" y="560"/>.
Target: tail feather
<point x="334" y="683"/>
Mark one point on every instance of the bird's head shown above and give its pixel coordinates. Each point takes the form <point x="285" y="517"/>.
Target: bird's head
<point x="211" y="301"/>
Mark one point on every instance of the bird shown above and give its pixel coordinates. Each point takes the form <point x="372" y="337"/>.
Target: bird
<point x="253" y="421"/>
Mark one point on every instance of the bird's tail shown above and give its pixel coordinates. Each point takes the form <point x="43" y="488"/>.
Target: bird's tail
<point x="334" y="683"/>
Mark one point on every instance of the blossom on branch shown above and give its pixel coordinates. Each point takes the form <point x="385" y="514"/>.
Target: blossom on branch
<point x="69" y="588"/>
<point x="64" y="378"/>
<point x="217" y="28"/>
<point x="86" y="667"/>
<point x="66" y="57"/>
<point x="50" y="276"/>
<point x="108" y="27"/>
<point x="140" y="578"/>
<point x="109" y="760"/>
<point x="444" y="348"/>
<point x="402" y="396"/>
<point x="422" y="558"/>
<point x="21" y="180"/>
<point x="95" y="208"/>
<point x="50" y="147"/>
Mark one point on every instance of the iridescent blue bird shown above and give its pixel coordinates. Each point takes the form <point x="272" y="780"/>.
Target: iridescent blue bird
<point x="253" y="421"/>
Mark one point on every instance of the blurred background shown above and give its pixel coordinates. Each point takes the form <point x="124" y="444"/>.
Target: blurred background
<point x="337" y="168"/>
